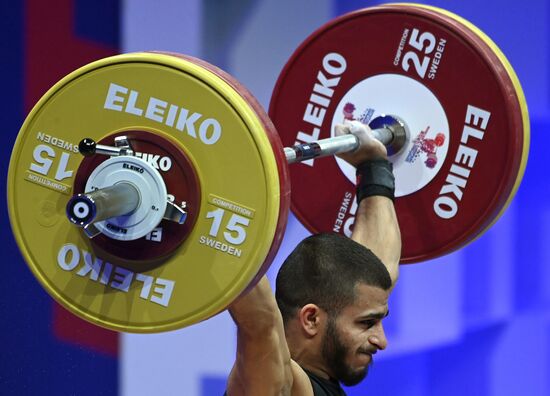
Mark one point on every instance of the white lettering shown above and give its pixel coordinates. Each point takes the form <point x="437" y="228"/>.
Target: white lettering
<point x="454" y="186"/>
<point x="165" y="163"/>
<point x="466" y="155"/>
<point x="68" y="250"/>
<point x="91" y="266"/>
<point x="67" y="146"/>
<point x="62" y="172"/>
<point x="222" y="247"/>
<point x="314" y="114"/>
<point x="341" y="215"/>
<point x="155" y="235"/>
<point x="147" y="282"/>
<point x="122" y="99"/>
<point x="118" y="278"/>
<point x="106" y="275"/>
<point x="187" y="122"/>
<point x="438" y="56"/>
<point x="171" y="117"/>
<point x="156" y="161"/>
<point x="131" y="104"/>
<point x="469" y="131"/>
<point x="165" y="292"/>
<point x="334" y="65"/>
<point x="155" y="109"/>
<point x="122" y="279"/>
<point x="445" y="205"/>
<point x="112" y="97"/>
<point x="215" y="133"/>
<point x="44" y="163"/>
<point x="326" y="84"/>
<point x="475" y="116"/>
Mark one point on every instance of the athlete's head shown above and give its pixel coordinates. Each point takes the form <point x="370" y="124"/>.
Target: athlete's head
<point x="333" y="292"/>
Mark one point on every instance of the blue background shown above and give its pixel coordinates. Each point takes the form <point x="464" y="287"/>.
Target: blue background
<point x="476" y="322"/>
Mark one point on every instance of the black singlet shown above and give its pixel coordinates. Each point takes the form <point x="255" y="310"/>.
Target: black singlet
<point x="324" y="387"/>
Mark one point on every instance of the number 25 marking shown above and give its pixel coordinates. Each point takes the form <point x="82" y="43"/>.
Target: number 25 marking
<point x="425" y="43"/>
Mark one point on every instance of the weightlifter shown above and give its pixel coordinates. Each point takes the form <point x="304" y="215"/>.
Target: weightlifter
<point x="324" y="324"/>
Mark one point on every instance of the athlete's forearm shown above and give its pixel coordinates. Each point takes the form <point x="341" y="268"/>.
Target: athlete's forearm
<point x="376" y="227"/>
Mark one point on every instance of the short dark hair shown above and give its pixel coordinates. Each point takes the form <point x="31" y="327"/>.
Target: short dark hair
<point x="324" y="270"/>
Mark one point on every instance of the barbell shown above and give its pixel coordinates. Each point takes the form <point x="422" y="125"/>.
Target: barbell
<point x="147" y="191"/>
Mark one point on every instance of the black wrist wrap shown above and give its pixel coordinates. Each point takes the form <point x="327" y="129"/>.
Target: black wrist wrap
<point x="375" y="177"/>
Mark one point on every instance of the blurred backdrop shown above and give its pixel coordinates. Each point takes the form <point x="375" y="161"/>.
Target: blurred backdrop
<point x="476" y="322"/>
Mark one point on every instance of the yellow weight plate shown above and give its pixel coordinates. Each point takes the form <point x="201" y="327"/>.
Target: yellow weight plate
<point x="231" y="147"/>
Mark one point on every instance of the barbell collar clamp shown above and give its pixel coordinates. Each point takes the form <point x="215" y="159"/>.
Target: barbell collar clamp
<point x="175" y="213"/>
<point x="88" y="147"/>
<point x="91" y="230"/>
<point x="391" y="131"/>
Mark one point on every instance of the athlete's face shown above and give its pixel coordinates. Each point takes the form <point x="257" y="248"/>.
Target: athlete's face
<point x="354" y="335"/>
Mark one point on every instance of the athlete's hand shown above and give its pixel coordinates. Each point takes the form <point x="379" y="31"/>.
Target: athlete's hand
<point x="369" y="148"/>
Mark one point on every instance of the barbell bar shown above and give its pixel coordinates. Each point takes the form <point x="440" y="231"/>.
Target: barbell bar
<point x="123" y="198"/>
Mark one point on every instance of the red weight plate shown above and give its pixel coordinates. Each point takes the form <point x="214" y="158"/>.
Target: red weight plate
<point x="181" y="182"/>
<point x="462" y="105"/>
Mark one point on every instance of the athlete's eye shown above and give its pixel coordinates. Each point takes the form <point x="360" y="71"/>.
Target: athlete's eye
<point x="369" y="323"/>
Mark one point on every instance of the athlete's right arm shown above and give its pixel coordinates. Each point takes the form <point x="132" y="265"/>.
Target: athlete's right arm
<point x="263" y="365"/>
<point x="376" y="225"/>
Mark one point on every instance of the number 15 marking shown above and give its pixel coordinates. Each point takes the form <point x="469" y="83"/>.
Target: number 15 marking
<point x="236" y="233"/>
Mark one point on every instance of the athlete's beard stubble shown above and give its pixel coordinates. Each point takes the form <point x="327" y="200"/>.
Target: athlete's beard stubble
<point x="334" y="353"/>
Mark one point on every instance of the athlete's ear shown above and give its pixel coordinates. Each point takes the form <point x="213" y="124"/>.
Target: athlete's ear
<point x="310" y="318"/>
